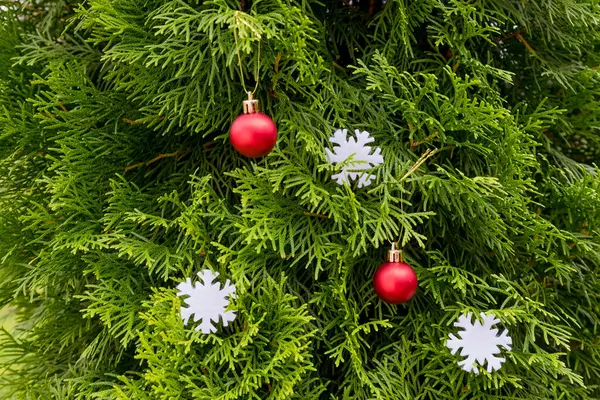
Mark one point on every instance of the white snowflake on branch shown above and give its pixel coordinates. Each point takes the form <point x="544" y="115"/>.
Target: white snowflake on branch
<point x="361" y="160"/>
<point x="479" y="342"/>
<point x="206" y="302"/>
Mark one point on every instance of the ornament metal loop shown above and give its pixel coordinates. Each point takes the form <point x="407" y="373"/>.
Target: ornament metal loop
<point x="395" y="254"/>
<point x="250" y="105"/>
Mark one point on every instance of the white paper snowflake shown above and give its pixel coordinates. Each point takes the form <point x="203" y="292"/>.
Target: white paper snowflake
<point x="479" y="342"/>
<point x="362" y="159"/>
<point x="206" y="301"/>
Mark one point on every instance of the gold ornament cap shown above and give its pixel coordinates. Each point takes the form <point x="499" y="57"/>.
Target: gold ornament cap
<point x="394" y="254"/>
<point x="250" y="105"/>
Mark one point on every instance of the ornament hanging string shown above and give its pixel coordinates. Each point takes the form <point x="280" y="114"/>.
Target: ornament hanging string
<point x="402" y="228"/>
<point x="253" y="134"/>
<point x="428" y="153"/>
<point x="237" y="49"/>
<point x="400" y="243"/>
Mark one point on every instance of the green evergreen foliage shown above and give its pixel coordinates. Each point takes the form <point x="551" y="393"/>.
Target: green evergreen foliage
<point x="118" y="182"/>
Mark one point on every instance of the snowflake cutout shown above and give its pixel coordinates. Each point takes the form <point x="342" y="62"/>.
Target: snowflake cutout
<point x="206" y="301"/>
<point x="479" y="342"/>
<point x="362" y="158"/>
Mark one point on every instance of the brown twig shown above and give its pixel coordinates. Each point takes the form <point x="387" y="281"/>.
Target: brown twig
<point x="62" y="107"/>
<point x="209" y="146"/>
<point x="132" y="122"/>
<point x="584" y="230"/>
<point x="455" y="66"/>
<point x="372" y="6"/>
<point x="309" y="214"/>
<point x="157" y="158"/>
<point x="522" y="40"/>
<point x="507" y="36"/>
<point x="429" y="138"/>
<point x="575" y="345"/>
<point x="277" y="59"/>
<point x="338" y="66"/>
<point x="134" y="166"/>
<point x="167" y="155"/>
<point x="137" y="122"/>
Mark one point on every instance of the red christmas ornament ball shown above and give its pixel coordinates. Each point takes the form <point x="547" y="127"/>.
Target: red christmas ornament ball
<point x="395" y="282"/>
<point x="253" y="135"/>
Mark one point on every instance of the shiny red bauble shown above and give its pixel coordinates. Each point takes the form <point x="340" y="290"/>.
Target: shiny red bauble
<point x="395" y="282"/>
<point x="253" y="135"/>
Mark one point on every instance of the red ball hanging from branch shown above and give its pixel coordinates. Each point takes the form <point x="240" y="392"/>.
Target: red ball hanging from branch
<point x="395" y="281"/>
<point x="253" y="134"/>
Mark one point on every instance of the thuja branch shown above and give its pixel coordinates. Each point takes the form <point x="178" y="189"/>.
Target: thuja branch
<point x="309" y="214"/>
<point x="429" y="138"/>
